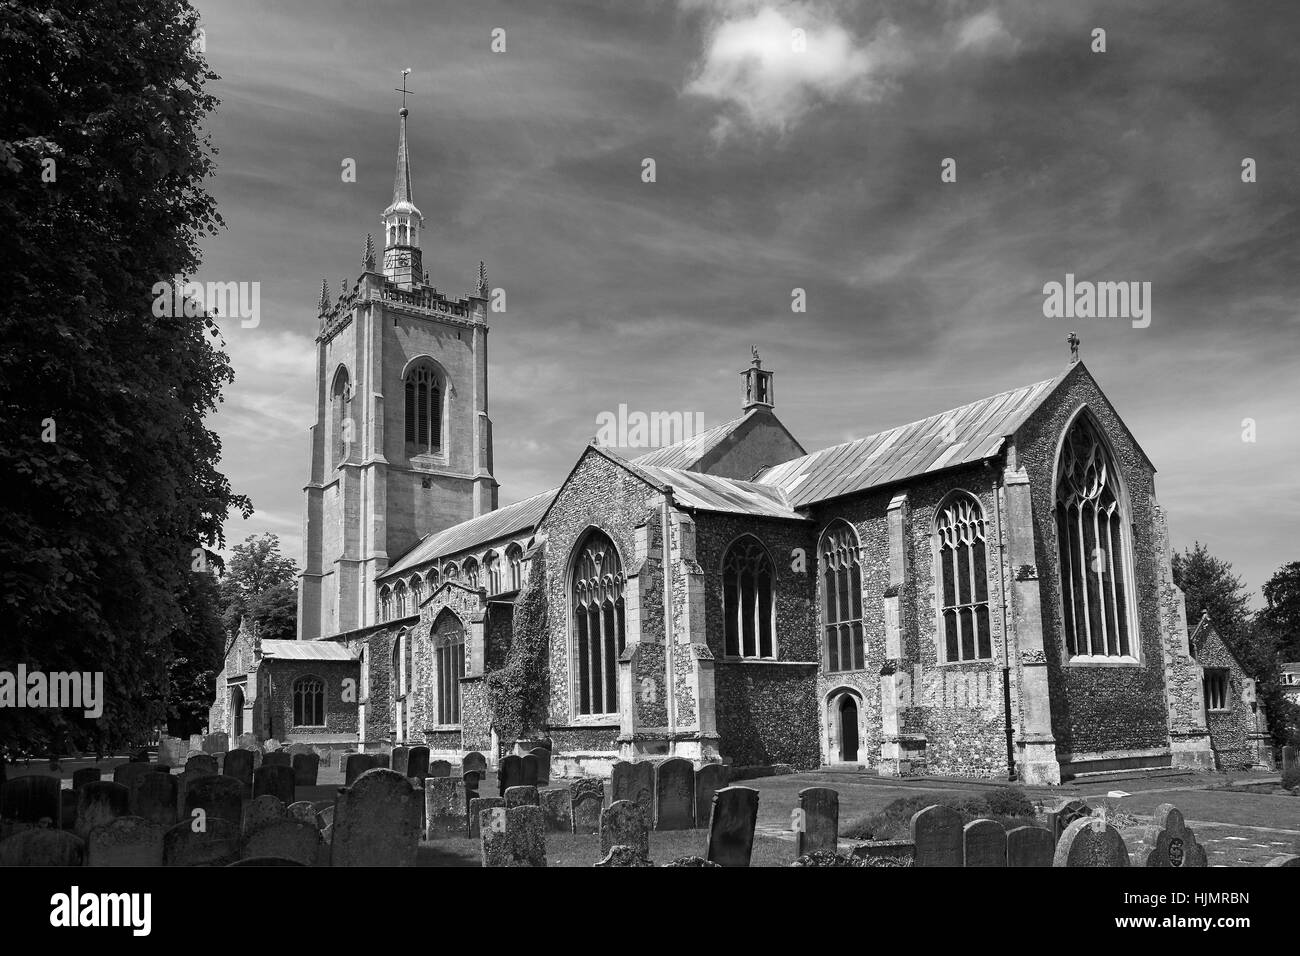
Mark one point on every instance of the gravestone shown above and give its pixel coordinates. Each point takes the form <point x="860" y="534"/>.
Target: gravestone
<point x="674" y="794"/>
<point x="543" y="765"/>
<point x="196" y="742"/>
<point x="1066" y="813"/>
<point x="239" y="766"/>
<point x="532" y="770"/>
<point x="1290" y="755"/>
<point x="129" y="774"/>
<point x="299" y="748"/>
<point x="557" y="810"/>
<point x="284" y="839"/>
<point x="263" y="810"/>
<point x="731" y="826"/>
<point x="126" y="841"/>
<point x="247" y="742"/>
<point x="42" y="847"/>
<point x="217" y="743"/>
<point x="623" y="856"/>
<point x="306" y="767"/>
<point x="522" y="796"/>
<point x="99" y="804"/>
<point x="86" y="775"/>
<point x="510" y="773"/>
<point x="1030" y="846"/>
<point x="343" y="759"/>
<point x="471" y="761"/>
<point x="31" y="799"/>
<point x="476" y="807"/>
<point x="305" y="811"/>
<point x="275" y="780"/>
<point x="201" y="766"/>
<point x="820" y="819"/>
<point x="1170" y="843"/>
<point x="1092" y="842"/>
<point x="171" y="752"/>
<point x="219" y="797"/>
<point x="417" y="763"/>
<point x="444" y="809"/>
<point x="442" y="768"/>
<point x="157" y="799"/>
<point x="377" y="821"/>
<point x="269" y="746"/>
<point x="709" y="779"/>
<point x="277" y="758"/>
<point x="383" y="760"/>
<point x="470" y="781"/>
<point x="217" y="844"/>
<point x="356" y="765"/>
<point x="521" y="843"/>
<point x="634" y="781"/>
<point x="984" y="843"/>
<point x="588" y="799"/>
<point x="398" y="759"/>
<point x="937" y="833"/>
<point x="623" y="823"/>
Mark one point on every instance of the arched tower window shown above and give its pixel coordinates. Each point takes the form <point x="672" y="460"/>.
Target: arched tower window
<point x="842" y="598"/>
<point x="423" y="410"/>
<point x="963" y="579"/>
<point x="1095" y="564"/>
<point x="492" y="570"/>
<point x="449" y="665"/>
<point x="596" y="593"/>
<point x="308" y="702"/>
<point x="747" y="599"/>
<point x="515" y="559"/>
<point x="341" y="410"/>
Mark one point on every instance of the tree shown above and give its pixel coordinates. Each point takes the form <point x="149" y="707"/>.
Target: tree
<point x="1281" y="613"/>
<point x="111" y="473"/>
<point x="1208" y="584"/>
<point x="197" y="649"/>
<point x="261" y="584"/>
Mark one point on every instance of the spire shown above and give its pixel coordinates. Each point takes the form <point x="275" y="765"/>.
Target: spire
<point x="482" y="289"/>
<point x="402" y="181"/>
<point x="368" y="255"/>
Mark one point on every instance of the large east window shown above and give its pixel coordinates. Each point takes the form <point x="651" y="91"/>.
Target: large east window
<point x="449" y="665"/>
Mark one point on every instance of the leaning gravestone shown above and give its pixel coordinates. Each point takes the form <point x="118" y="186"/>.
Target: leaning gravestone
<point x="285" y="839"/>
<point x="86" y="775"/>
<point x="476" y="807"/>
<point x="217" y="844"/>
<point x="819" y="814"/>
<point x="43" y="847"/>
<point x="1030" y="846"/>
<point x="274" y="780"/>
<point x="444" y="808"/>
<point x="263" y="810"/>
<point x="557" y="810"/>
<point x="1091" y="841"/>
<point x="984" y="843"/>
<point x="306" y="767"/>
<point x="623" y="823"/>
<point x="731" y="826"/>
<point x="1170" y="843"/>
<point x="127" y="841"/>
<point x="674" y="794"/>
<point x="937" y="833"/>
<point x="32" y="799"/>
<point x="1066" y="813"/>
<point x="634" y="781"/>
<point x="157" y="798"/>
<point x="239" y="766"/>
<point x="220" y="798"/>
<point x="471" y="761"/>
<point x="709" y="779"/>
<point x="277" y="758"/>
<point x="417" y="763"/>
<point x="377" y="822"/>
<point x="522" y="796"/>
<point x="356" y="765"/>
<point x="441" y="768"/>
<point x="510" y="773"/>
<point x="99" y="804"/>
<point x="543" y="765"/>
<point x="588" y="800"/>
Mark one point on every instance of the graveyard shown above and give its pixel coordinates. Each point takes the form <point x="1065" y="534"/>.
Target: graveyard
<point x="247" y="806"/>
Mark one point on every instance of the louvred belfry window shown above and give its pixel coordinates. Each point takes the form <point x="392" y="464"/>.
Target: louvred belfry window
<point x="1095" y="565"/>
<point x="423" y="411"/>
<point x="963" y="576"/>
<point x="747" y="589"/>
<point x="598" y="627"/>
<point x="842" y="599"/>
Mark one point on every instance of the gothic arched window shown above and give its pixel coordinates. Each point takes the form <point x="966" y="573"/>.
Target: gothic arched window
<point x="1095" y="565"/>
<point x="597" y="595"/>
<point x="417" y="593"/>
<point x="471" y="572"/>
<point x="432" y="579"/>
<point x="423" y="410"/>
<point x="842" y="598"/>
<point x="385" y="603"/>
<point x="308" y="702"/>
<point x="451" y="573"/>
<point x="963" y="580"/>
<point x="341" y="409"/>
<point x="399" y="599"/>
<point x="747" y="600"/>
<point x="449" y="665"/>
<point x="515" y="559"/>
<point x="492" y="571"/>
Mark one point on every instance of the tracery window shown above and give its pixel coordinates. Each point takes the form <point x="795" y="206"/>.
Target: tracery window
<point x="515" y="558"/>
<point x="492" y="565"/>
<point x="308" y="702"/>
<point x="423" y="410"/>
<point x="842" y="598"/>
<point x="747" y="600"/>
<point x="963" y="575"/>
<point x="598" y="627"/>
<point x="471" y="572"/>
<point x="449" y="665"/>
<point x="341" y="401"/>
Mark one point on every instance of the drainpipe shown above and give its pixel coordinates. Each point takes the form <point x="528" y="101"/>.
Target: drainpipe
<point x="670" y="690"/>
<point x="1006" y="632"/>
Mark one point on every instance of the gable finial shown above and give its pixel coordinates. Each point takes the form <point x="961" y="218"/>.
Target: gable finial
<point x="482" y="280"/>
<point x="1074" y="347"/>
<point x="368" y="255"/>
<point x="755" y="361"/>
<point x="324" y="295"/>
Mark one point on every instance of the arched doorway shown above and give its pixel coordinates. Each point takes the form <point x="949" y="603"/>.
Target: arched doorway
<point x="848" y="720"/>
<point x="236" y="713"/>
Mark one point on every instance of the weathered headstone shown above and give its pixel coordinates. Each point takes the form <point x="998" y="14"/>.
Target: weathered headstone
<point x="417" y="763"/>
<point x="269" y="746"/>
<point x="219" y="797"/>
<point x="247" y="741"/>
<point x="99" y="804"/>
<point x="471" y="761"/>
<point x="634" y="781"/>
<point x="171" y="752"/>
<point x="381" y="760"/>
<point x="217" y="743"/>
<point x="1091" y="841"/>
<point x="263" y="810"/>
<point x="619" y="856"/>
<point x="674" y="794"/>
<point x="275" y="780"/>
<point x="196" y="742"/>
<point x="1170" y="843"/>
<point x="1030" y="846"/>
<point x="201" y="766"/>
<point x="239" y="766"/>
<point x="817" y="821"/>
<point x="356" y="765"/>
<point x="126" y="841"/>
<point x="377" y="822"/>
<point x="444" y="808"/>
<point x="510" y="773"/>
<point x="157" y="798"/>
<point x="543" y="765"/>
<point x="557" y="809"/>
<point x="86" y="775"/>
<point x="129" y="774"/>
<point x="1290" y="754"/>
<point x="277" y="758"/>
<point x="984" y="843"/>
<point x="306" y="767"/>
<point x="623" y="823"/>
<point x="937" y="833"/>
<point x="398" y="759"/>
<point x="216" y="844"/>
<point x="523" y="841"/>
<point x="285" y="839"/>
<point x="731" y="826"/>
<point x="588" y="800"/>
<point x="441" y="768"/>
<point x="1066" y="812"/>
<point x="42" y="847"/>
<point x="709" y="779"/>
<point x="522" y="796"/>
<point x="532" y="770"/>
<point x="305" y="811"/>
<point x="31" y="799"/>
<point x="476" y="807"/>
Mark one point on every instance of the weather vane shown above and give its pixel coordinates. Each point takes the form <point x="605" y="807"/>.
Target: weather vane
<point x="404" y="91"/>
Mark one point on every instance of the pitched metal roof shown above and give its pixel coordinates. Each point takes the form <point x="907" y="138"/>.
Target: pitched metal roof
<point x="729" y="495"/>
<point x="689" y="451"/>
<point x="976" y="431"/>
<point x="520" y="516"/>
<point x="307" y="651"/>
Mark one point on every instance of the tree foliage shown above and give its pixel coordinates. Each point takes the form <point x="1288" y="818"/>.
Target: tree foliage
<point x="261" y="584"/>
<point x="111" y="473"/>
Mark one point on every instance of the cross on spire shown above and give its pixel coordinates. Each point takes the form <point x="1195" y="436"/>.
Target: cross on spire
<point x="404" y="91"/>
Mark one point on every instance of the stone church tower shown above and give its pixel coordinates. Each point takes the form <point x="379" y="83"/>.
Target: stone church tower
<point x="402" y="443"/>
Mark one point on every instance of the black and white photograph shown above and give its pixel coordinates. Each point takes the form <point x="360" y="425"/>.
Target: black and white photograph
<point x="651" y="434"/>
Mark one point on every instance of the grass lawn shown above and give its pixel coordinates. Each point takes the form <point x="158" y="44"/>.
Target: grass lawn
<point x="566" y="850"/>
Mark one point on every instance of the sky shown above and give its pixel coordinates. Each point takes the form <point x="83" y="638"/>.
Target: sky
<point x="785" y="160"/>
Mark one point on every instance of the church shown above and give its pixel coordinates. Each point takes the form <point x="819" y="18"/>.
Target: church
<point x="984" y="592"/>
